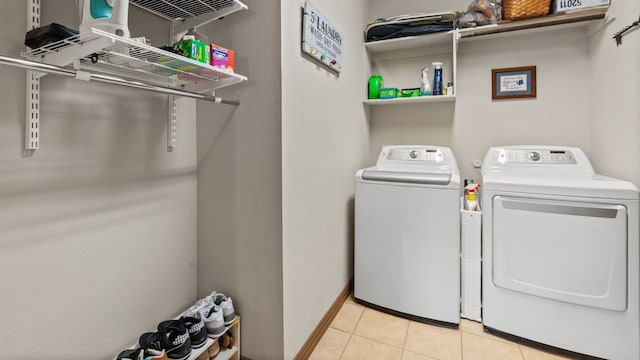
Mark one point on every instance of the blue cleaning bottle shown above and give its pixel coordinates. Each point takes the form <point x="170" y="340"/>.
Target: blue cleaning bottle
<point x="437" y="78"/>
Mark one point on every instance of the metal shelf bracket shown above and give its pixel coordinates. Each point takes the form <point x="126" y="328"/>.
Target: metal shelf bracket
<point x="172" y="123"/>
<point x="32" y="114"/>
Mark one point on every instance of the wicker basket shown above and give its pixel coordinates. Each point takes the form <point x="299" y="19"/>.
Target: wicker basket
<point x="520" y="9"/>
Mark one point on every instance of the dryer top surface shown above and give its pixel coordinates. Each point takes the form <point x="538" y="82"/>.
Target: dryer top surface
<point x="555" y="170"/>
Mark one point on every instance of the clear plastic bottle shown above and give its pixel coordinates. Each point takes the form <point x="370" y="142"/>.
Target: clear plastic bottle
<point x="425" y="88"/>
<point x="437" y="78"/>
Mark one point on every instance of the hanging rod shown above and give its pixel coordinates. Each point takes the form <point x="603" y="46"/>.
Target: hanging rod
<point x="83" y="75"/>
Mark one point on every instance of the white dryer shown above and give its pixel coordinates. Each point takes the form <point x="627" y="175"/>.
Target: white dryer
<point x="560" y="252"/>
<point x="407" y="233"/>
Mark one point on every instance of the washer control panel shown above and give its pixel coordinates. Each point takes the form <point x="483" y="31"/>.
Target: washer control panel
<point x="534" y="156"/>
<point x="411" y="154"/>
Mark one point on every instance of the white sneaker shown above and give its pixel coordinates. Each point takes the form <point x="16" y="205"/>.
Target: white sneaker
<point x="212" y="316"/>
<point x="194" y="311"/>
<point x="226" y="304"/>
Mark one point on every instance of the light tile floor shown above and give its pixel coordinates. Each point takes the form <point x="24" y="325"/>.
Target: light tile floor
<point x="359" y="332"/>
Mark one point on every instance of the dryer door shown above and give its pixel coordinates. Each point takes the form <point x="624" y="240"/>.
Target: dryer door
<point x="568" y="251"/>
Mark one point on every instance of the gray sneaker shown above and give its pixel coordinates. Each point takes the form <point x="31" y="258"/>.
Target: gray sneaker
<point x="226" y="304"/>
<point x="212" y="316"/>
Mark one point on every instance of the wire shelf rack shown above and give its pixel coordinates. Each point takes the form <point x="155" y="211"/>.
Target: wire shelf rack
<point x="129" y="58"/>
<point x="178" y="10"/>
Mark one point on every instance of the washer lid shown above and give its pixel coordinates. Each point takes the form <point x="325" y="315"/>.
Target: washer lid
<point x="407" y="177"/>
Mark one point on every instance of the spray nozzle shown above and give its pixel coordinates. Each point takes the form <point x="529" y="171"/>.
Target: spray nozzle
<point x="425" y="73"/>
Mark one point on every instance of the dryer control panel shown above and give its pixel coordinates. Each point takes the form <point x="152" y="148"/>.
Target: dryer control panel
<point x="415" y="154"/>
<point x="536" y="156"/>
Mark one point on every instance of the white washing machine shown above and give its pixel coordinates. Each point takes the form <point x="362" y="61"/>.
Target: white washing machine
<point x="407" y="234"/>
<point x="560" y="252"/>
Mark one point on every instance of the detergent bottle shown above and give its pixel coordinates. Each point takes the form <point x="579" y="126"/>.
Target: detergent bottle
<point x="437" y="78"/>
<point x="471" y="201"/>
<point x="375" y="84"/>
<point x="425" y="88"/>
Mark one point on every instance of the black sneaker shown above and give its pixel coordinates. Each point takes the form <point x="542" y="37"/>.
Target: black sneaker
<point x="141" y="354"/>
<point x="131" y="354"/>
<point x="172" y="337"/>
<point x="197" y="330"/>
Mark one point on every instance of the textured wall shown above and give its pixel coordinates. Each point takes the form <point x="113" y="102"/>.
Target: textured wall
<point x="98" y="226"/>
<point x="615" y="107"/>
<point x="324" y="141"/>
<point x="239" y="181"/>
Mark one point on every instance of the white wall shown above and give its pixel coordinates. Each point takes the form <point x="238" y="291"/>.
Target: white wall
<point x="560" y="114"/>
<point x="97" y="227"/>
<point x="324" y="141"/>
<point x="615" y="107"/>
<point x="239" y="181"/>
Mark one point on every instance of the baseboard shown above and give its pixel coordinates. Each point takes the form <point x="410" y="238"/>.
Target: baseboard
<point x="324" y="324"/>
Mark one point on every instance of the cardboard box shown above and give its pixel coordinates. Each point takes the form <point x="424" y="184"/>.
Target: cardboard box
<point x="222" y="58"/>
<point x="388" y="93"/>
<point x="194" y="49"/>
<point x="567" y="5"/>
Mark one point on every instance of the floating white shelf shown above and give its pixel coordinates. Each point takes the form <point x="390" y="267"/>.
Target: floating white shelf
<point x="431" y="42"/>
<point x="411" y="100"/>
<point x="575" y="18"/>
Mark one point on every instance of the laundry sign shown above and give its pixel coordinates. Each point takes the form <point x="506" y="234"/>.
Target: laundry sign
<point x="320" y="39"/>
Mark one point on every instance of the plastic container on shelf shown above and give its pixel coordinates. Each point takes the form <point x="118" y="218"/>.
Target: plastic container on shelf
<point x="437" y="78"/>
<point x="425" y="88"/>
<point x="375" y="84"/>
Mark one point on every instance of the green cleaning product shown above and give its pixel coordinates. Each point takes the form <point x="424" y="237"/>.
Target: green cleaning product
<point x="375" y="84"/>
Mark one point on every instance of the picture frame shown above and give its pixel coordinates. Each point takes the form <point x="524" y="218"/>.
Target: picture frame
<point x="513" y="83"/>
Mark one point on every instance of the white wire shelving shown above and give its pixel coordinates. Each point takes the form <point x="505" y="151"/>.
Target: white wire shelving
<point x="188" y="14"/>
<point x="105" y="57"/>
<point x="134" y="60"/>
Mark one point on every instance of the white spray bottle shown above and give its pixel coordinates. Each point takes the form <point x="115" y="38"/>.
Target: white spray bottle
<point x="107" y="15"/>
<point x="425" y="88"/>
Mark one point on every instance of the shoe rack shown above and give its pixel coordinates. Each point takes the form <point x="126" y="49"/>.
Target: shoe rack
<point x="229" y="352"/>
<point x="228" y="349"/>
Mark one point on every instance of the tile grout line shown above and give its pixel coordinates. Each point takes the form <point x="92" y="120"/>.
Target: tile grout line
<point x="352" y="331"/>
<point x="345" y="347"/>
<point x="521" y="353"/>
<point x="406" y="335"/>
<point x="461" y="345"/>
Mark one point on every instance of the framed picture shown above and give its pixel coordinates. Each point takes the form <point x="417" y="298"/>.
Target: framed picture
<point x="513" y="83"/>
